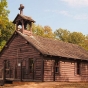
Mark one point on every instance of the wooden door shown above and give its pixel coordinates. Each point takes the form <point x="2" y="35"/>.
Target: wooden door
<point x="31" y="69"/>
<point x="28" y="69"/>
<point x="8" y="70"/>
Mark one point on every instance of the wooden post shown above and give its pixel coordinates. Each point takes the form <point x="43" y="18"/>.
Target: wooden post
<point x="14" y="72"/>
<point x="54" y="72"/>
<point x="33" y="70"/>
<point x="42" y="70"/>
<point x="21" y="71"/>
<point x="30" y="28"/>
<point x="22" y="26"/>
<point x="4" y="76"/>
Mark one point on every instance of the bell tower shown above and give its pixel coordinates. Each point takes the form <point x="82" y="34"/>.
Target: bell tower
<point x="22" y="21"/>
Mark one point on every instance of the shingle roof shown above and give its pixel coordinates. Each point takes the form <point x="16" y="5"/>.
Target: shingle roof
<point x="56" y="48"/>
<point x="24" y="17"/>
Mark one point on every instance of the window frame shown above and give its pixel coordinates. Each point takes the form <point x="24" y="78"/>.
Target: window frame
<point x="31" y="65"/>
<point x="78" y="68"/>
<point x="57" y="67"/>
<point x="7" y="67"/>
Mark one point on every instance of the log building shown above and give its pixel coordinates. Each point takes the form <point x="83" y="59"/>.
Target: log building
<point x="29" y="57"/>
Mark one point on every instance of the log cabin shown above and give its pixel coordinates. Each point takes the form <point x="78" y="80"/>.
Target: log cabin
<point x="29" y="57"/>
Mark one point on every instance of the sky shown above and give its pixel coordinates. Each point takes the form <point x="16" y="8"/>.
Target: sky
<point x="66" y="14"/>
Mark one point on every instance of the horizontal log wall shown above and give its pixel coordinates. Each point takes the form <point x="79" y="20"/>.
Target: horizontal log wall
<point x="1" y="71"/>
<point x="38" y="69"/>
<point x="48" y="70"/>
<point x="84" y="71"/>
<point x="68" y="71"/>
<point x="18" y="48"/>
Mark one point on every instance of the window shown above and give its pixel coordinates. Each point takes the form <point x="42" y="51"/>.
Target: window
<point x="57" y="67"/>
<point x="7" y="64"/>
<point x="30" y="65"/>
<point x="78" y="68"/>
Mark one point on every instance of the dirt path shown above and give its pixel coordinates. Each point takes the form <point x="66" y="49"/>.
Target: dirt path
<point x="46" y="85"/>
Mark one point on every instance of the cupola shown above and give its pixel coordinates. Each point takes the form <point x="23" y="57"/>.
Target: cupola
<point x="22" y="21"/>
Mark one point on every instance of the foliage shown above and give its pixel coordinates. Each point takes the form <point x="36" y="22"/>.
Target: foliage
<point x="72" y="37"/>
<point x="76" y="38"/>
<point x="6" y="27"/>
<point x="45" y="31"/>
<point x="62" y="34"/>
<point x="85" y="44"/>
<point x="38" y="30"/>
<point x="8" y="31"/>
<point x="5" y="33"/>
<point x="2" y="43"/>
<point x="48" y="32"/>
<point x="3" y="13"/>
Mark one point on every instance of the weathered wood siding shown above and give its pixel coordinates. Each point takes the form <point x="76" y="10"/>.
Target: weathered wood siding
<point x="48" y="69"/>
<point x="19" y="49"/>
<point x="38" y="69"/>
<point x="84" y="71"/>
<point x="68" y="71"/>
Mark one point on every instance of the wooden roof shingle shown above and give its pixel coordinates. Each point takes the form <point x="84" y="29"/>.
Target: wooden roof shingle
<point x="24" y="17"/>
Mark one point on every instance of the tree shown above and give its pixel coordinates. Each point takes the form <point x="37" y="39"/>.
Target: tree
<point x="72" y="37"/>
<point x="5" y="33"/>
<point x="2" y="43"/>
<point x="3" y="13"/>
<point x="6" y="27"/>
<point x="76" y="38"/>
<point x="8" y="31"/>
<point x="62" y="34"/>
<point x="38" y="30"/>
<point x="45" y="31"/>
<point x="85" y="44"/>
<point x="48" y="32"/>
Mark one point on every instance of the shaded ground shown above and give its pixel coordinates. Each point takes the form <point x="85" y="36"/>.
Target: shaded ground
<point x="45" y="85"/>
